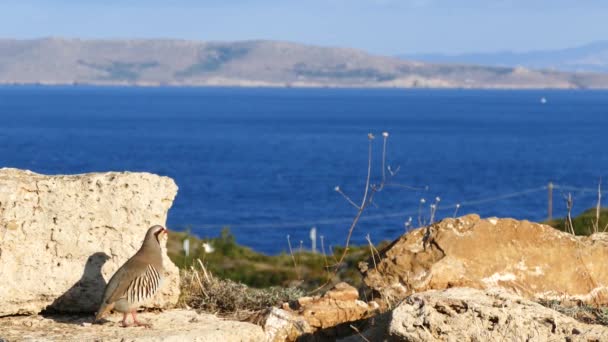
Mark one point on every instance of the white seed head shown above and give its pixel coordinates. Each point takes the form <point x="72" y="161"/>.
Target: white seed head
<point x="437" y="198"/>
<point x="385" y="134"/>
<point x="422" y="200"/>
<point x="337" y="188"/>
<point x="432" y="206"/>
<point x="370" y="136"/>
<point x="457" y="205"/>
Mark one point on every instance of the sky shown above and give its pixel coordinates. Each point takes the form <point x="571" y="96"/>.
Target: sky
<point x="387" y="27"/>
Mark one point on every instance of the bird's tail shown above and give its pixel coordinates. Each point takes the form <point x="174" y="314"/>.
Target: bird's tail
<point x="104" y="309"/>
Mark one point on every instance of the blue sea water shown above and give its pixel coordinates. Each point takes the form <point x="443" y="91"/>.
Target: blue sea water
<point x="265" y="161"/>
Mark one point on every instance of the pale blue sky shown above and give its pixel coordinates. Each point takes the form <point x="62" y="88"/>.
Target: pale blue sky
<point x="378" y="26"/>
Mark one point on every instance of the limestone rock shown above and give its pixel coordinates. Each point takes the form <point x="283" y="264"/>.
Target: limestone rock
<point x="284" y="325"/>
<point x="170" y="326"/>
<point x="464" y="314"/>
<point x="319" y="315"/>
<point x="339" y="305"/>
<point x="529" y="259"/>
<point x="62" y="237"/>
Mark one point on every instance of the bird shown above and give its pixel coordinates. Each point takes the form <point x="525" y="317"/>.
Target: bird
<point x="136" y="281"/>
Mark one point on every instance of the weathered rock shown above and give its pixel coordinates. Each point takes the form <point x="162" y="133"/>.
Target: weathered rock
<point x="530" y="259"/>
<point x="62" y="237"/>
<point x="338" y="305"/>
<point x="284" y="325"/>
<point x="464" y="314"/>
<point x="311" y="315"/>
<point x="173" y="325"/>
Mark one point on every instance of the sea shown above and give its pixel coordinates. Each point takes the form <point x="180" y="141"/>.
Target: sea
<point x="272" y="164"/>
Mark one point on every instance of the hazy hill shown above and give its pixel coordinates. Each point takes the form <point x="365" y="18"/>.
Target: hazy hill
<point x="591" y="57"/>
<point x="250" y="63"/>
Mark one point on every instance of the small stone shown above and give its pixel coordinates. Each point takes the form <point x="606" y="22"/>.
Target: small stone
<point x="343" y="292"/>
<point x="304" y="300"/>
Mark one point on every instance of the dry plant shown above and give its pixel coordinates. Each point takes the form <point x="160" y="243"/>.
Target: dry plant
<point x="325" y="258"/>
<point x="420" y="217"/>
<point x="456" y="210"/>
<point x="408" y="224"/>
<point x="569" y="225"/>
<point x="295" y="264"/>
<point x="596" y="225"/>
<point x="370" y="189"/>
<point x="578" y="310"/>
<point x="570" y="228"/>
<point x="359" y="333"/>
<point x="300" y="251"/>
<point x="367" y="198"/>
<point x="434" y="207"/>
<point x="368" y="194"/>
<point x="372" y="250"/>
<point x="202" y="291"/>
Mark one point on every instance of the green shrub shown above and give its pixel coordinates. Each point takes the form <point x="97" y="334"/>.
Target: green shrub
<point x="229" y="260"/>
<point x="583" y="223"/>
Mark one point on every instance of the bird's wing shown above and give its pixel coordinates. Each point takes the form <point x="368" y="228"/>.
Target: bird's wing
<point x="119" y="283"/>
<point x="144" y="286"/>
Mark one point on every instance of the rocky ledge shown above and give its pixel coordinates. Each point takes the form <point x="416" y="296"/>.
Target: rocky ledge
<point x="465" y="314"/>
<point x="172" y="325"/>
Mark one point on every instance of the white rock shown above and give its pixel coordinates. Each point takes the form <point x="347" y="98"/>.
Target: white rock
<point x="464" y="314"/>
<point x="62" y="237"/>
<point x="282" y="325"/>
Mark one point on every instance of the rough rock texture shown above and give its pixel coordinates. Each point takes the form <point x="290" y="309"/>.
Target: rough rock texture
<point x="319" y="315"/>
<point x="464" y="314"/>
<point x="283" y="325"/>
<point x="530" y="259"/>
<point x="62" y="237"/>
<point x="338" y="305"/>
<point x="174" y="325"/>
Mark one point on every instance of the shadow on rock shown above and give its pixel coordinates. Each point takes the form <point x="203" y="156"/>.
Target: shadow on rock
<point x="369" y="329"/>
<point x="84" y="296"/>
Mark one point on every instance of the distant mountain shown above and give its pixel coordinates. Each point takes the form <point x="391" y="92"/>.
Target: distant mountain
<point x="587" y="58"/>
<point x="250" y="63"/>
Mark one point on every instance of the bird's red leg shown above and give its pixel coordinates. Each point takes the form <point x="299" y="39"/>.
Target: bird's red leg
<point x="124" y="320"/>
<point x="138" y="323"/>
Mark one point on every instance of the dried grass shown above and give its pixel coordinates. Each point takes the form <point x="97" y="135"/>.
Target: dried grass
<point x="579" y="311"/>
<point x="204" y="292"/>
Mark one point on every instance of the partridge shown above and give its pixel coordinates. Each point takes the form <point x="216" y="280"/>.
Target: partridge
<point x="136" y="281"/>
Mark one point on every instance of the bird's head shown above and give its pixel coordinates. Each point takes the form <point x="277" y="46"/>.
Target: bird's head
<point x="155" y="232"/>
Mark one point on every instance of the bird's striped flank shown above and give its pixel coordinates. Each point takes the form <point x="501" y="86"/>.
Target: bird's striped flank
<point x="145" y="286"/>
